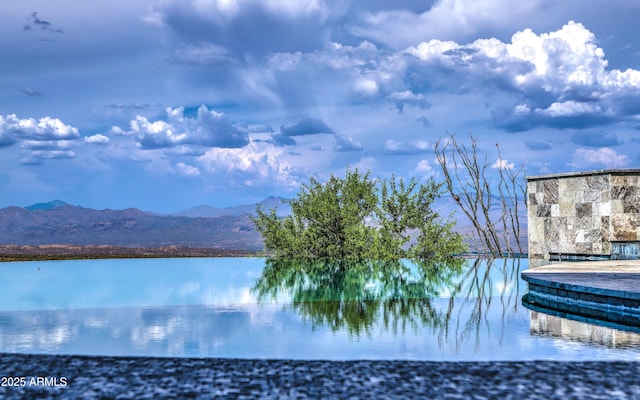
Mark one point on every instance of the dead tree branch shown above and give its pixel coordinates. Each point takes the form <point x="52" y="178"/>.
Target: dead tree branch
<point x="496" y="231"/>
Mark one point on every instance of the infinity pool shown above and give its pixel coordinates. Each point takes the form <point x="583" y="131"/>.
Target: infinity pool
<point x="247" y="308"/>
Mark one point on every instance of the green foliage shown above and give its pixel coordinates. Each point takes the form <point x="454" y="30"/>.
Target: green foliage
<point x="356" y="218"/>
<point x="357" y="295"/>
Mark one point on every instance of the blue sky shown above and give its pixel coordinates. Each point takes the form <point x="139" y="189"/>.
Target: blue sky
<point x="168" y="104"/>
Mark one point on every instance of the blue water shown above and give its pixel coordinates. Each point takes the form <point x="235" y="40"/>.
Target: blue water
<point x="233" y="307"/>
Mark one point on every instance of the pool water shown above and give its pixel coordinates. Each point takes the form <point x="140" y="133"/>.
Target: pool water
<point x="249" y="308"/>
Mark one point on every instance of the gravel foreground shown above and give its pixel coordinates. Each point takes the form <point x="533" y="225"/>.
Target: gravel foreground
<point x="52" y="377"/>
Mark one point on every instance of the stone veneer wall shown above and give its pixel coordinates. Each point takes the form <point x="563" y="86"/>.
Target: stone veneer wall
<point x="582" y="213"/>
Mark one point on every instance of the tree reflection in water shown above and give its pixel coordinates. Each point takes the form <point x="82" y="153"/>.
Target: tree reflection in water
<point x="483" y="282"/>
<point x="357" y="296"/>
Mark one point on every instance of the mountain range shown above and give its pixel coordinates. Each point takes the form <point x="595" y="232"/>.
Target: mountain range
<point x="205" y="211"/>
<point x="62" y="223"/>
<point x="230" y="228"/>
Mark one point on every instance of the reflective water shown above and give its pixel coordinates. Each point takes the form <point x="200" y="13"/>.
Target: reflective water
<point x="244" y="307"/>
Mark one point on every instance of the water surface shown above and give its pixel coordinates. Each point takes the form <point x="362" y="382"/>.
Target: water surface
<point x="240" y="307"/>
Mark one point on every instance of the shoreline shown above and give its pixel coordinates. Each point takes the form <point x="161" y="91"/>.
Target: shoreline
<point x="51" y="252"/>
<point x="9" y="253"/>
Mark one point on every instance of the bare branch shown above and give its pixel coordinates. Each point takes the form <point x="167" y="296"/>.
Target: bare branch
<point x="471" y="189"/>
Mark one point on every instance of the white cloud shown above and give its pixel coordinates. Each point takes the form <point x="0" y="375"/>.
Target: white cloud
<point x="522" y="109"/>
<point x="97" y="139"/>
<point x="619" y="79"/>
<point x="45" y="128"/>
<point x="569" y="109"/>
<point x="365" y="86"/>
<point x="551" y="79"/>
<point x="565" y="58"/>
<point x="208" y="129"/>
<point x="187" y="170"/>
<point x="502" y="164"/>
<point x="434" y="51"/>
<point x="449" y="19"/>
<point x="603" y="157"/>
<point x="251" y="165"/>
<point x="558" y="75"/>
<point x="42" y="139"/>
<point x="424" y="168"/>
<point x="399" y="147"/>
<point x="116" y="130"/>
<point x="557" y="61"/>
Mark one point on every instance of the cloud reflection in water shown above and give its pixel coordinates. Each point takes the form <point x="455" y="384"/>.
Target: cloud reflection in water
<point x="239" y="308"/>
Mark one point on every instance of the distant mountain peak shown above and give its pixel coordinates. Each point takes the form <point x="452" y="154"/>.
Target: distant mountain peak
<point x="47" y="206"/>
<point x="214" y="212"/>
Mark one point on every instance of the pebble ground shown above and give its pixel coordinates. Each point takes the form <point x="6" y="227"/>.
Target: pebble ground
<point x="188" y="378"/>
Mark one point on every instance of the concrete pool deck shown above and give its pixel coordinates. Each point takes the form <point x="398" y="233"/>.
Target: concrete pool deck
<point x="607" y="290"/>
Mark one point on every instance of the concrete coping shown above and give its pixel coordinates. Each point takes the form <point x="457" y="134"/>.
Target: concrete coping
<point x="607" y="266"/>
<point x="611" y="278"/>
<point x="585" y="173"/>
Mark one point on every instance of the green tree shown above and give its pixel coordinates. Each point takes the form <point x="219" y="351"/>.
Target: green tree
<point x="357" y="217"/>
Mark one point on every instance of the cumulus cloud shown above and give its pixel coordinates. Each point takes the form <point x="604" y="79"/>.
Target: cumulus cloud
<point x="603" y="157"/>
<point x="252" y="165"/>
<point x="42" y="139"/>
<point x="208" y="129"/>
<point x="97" y="139"/>
<point x="13" y="129"/>
<point x="558" y="79"/>
<point x="561" y="77"/>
